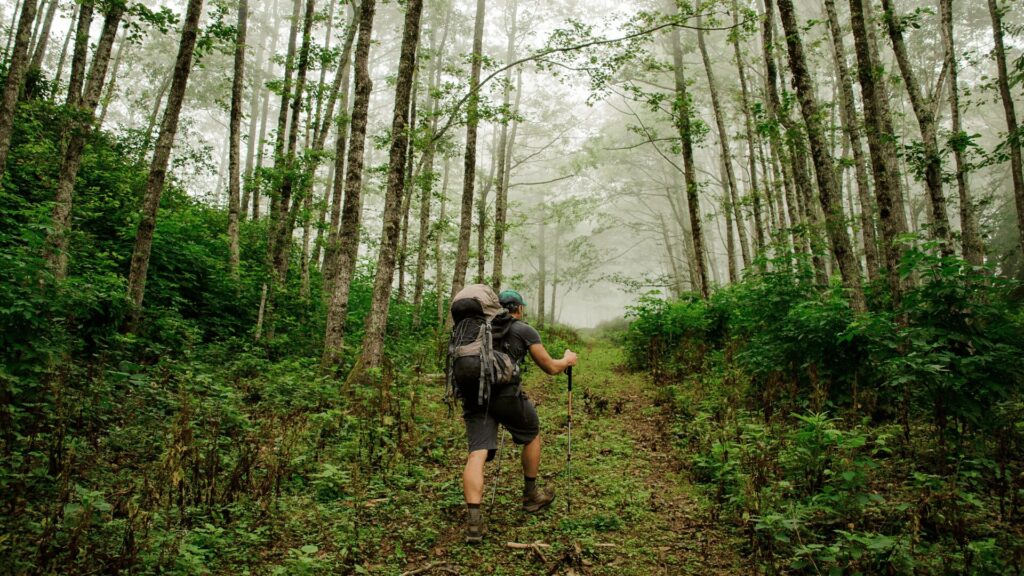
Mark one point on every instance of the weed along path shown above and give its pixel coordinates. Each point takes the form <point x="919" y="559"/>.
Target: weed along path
<point x="633" y="510"/>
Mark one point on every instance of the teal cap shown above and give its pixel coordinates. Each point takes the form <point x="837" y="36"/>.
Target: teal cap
<point x="511" y="297"/>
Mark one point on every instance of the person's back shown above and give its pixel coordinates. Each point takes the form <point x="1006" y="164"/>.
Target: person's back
<point x="509" y="406"/>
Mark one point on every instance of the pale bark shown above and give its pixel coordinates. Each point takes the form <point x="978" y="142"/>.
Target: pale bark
<point x="481" y="210"/>
<point x="161" y="156"/>
<point x="39" y="52"/>
<point x="824" y="169"/>
<point x="407" y="190"/>
<point x="235" y="144"/>
<point x="280" y="141"/>
<point x="755" y="188"/>
<point x="734" y="216"/>
<point x="439" y="279"/>
<point x="254" y="118"/>
<point x="878" y="125"/>
<point x="1012" y="130"/>
<point x="542" y="272"/>
<point x="469" y="168"/>
<point x="112" y="84"/>
<point x="973" y="249"/>
<point x="376" y="320"/>
<point x="851" y="125"/>
<point x="346" y="243"/>
<point x="505" y="154"/>
<point x="15" y="80"/>
<point x="64" y="48"/>
<point x="924" y="111"/>
<point x="56" y="251"/>
<point x="683" y="109"/>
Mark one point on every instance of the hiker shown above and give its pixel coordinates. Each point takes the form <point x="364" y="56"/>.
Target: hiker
<point x="506" y="405"/>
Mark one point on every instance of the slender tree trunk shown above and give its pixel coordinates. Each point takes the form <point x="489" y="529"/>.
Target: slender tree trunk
<point x="235" y="144"/>
<point x="439" y="277"/>
<point x="280" y="141"/>
<point x="39" y="53"/>
<point x="407" y="191"/>
<point x="481" y="211"/>
<point x="37" y="24"/>
<point x="64" y="48"/>
<point x="683" y="109"/>
<point x="254" y="118"/>
<point x="755" y="189"/>
<point x="542" y="273"/>
<point x="427" y="174"/>
<point x="851" y="125"/>
<point x="924" y="111"/>
<point x="161" y="155"/>
<point x="112" y="84"/>
<point x="504" y="154"/>
<point x="15" y="80"/>
<point x="341" y="81"/>
<point x="878" y="126"/>
<point x="973" y="249"/>
<point x="469" y="171"/>
<point x="288" y="211"/>
<point x="829" y="195"/>
<point x="12" y="29"/>
<point x="346" y="243"/>
<point x="730" y="193"/>
<point x="56" y="251"/>
<point x="1013" y="135"/>
<point x="264" y="117"/>
<point x="376" y="321"/>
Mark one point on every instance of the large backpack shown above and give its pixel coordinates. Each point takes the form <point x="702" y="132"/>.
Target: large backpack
<point x="478" y="358"/>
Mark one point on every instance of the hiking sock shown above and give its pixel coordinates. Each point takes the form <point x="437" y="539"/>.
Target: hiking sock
<point x="529" y="485"/>
<point x="474" y="512"/>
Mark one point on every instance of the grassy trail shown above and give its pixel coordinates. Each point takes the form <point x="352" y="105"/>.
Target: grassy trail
<point x="633" y="509"/>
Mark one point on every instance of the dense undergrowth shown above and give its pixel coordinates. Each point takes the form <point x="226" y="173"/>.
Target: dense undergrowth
<point x="843" y="443"/>
<point x="185" y="446"/>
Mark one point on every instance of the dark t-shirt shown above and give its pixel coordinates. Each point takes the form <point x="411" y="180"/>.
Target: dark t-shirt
<point x="519" y="339"/>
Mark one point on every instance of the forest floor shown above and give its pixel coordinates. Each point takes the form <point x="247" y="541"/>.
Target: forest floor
<point x="633" y="508"/>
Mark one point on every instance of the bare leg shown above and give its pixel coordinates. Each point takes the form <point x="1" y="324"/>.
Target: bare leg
<point x="531" y="458"/>
<point x="473" y="475"/>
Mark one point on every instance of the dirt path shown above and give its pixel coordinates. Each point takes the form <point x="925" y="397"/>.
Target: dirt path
<point x="633" y="512"/>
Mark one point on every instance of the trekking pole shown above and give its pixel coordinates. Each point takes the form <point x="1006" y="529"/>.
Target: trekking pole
<point x="497" y="476"/>
<point x="568" y="453"/>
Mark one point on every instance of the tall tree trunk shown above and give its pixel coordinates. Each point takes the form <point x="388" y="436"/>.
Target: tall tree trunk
<point x="235" y="144"/>
<point x="407" y="191"/>
<point x="254" y="119"/>
<point x="15" y="80"/>
<point x="428" y="176"/>
<point x="39" y="53"/>
<point x="851" y="125"/>
<point x="504" y="154"/>
<point x="824" y="169"/>
<point x="12" y="29"/>
<point x="755" y="189"/>
<point x="37" y="24"/>
<point x="481" y="211"/>
<point x="56" y="251"/>
<point x="924" y="111"/>
<point x="1013" y="135"/>
<point x="288" y="210"/>
<point x="346" y="243"/>
<point x="341" y="81"/>
<point x="878" y="125"/>
<point x="64" y="48"/>
<point x="683" y="109"/>
<point x="376" y="321"/>
<point x="281" y="139"/>
<point x="112" y="84"/>
<point x="264" y="117"/>
<point x="469" y="170"/>
<point x="542" y="273"/>
<point x="161" y="155"/>
<point x="973" y="249"/>
<point x="501" y="196"/>
<point x="732" y="203"/>
<point x="439" y="278"/>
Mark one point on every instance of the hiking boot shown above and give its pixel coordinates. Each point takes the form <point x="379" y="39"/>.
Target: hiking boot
<point x="475" y="529"/>
<point x="537" y="500"/>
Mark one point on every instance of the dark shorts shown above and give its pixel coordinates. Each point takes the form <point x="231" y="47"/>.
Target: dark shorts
<point x="516" y="413"/>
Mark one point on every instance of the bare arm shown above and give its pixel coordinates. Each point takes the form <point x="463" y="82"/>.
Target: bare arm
<point x="547" y="363"/>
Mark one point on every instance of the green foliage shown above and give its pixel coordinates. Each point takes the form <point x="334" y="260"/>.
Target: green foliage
<point x="886" y="441"/>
